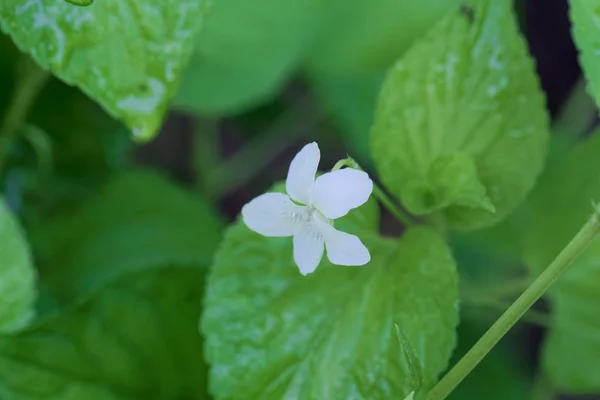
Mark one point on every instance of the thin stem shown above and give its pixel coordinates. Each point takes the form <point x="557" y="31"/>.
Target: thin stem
<point x="560" y="264"/>
<point x="41" y="145"/>
<point x="29" y="84"/>
<point x="391" y="207"/>
<point x="206" y="153"/>
<point x="379" y="194"/>
<point x="252" y="159"/>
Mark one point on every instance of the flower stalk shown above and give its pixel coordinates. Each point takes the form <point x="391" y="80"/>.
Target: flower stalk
<point x="379" y="194"/>
<point x="517" y="309"/>
<point x="29" y="84"/>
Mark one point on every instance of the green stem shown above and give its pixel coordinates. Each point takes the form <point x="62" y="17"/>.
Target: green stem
<point x="388" y="203"/>
<point x="252" y="159"/>
<point x="560" y="264"/>
<point x="29" y="84"/>
<point x="379" y="194"/>
<point x="42" y="147"/>
<point x="206" y="153"/>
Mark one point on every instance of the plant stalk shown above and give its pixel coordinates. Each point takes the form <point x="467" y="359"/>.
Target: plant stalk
<point x="244" y="166"/>
<point x="29" y="84"/>
<point x="517" y="309"/>
<point x="379" y="194"/>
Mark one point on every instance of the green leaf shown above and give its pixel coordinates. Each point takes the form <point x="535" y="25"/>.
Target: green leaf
<point x="350" y="102"/>
<point x="467" y="91"/>
<point x="142" y="218"/>
<point x="561" y="202"/>
<point x="451" y="180"/>
<point x="367" y="37"/>
<point x="349" y="61"/>
<point x="10" y="55"/>
<point x="17" y="275"/>
<point x="586" y="34"/>
<point x="246" y="52"/>
<point x="135" y="339"/>
<point x="556" y="210"/>
<point x="342" y="332"/>
<point x="85" y="146"/>
<point x="494" y="252"/>
<point x="134" y="260"/>
<point x="126" y="55"/>
<point x="57" y="161"/>
<point x="76" y="156"/>
<point x="571" y="356"/>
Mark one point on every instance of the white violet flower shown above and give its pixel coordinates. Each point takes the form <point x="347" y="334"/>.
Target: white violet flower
<point x="321" y="200"/>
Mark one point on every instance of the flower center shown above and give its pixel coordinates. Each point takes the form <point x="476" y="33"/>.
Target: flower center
<point x="318" y="216"/>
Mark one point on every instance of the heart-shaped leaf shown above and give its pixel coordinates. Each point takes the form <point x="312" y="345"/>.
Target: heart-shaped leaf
<point x="461" y="126"/>
<point x="374" y="332"/>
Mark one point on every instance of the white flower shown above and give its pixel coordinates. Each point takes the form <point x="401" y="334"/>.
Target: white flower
<point x="330" y="196"/>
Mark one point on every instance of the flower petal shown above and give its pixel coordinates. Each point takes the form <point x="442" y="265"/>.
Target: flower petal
<point x="335" y="193"/>
<point x="274" y="214"/>
<point x="345" y="249"/>
<point x="308" y="248"/>
<point x="301" y="174"/>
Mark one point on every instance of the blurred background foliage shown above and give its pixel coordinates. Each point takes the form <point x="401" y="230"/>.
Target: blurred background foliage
<point x="121" y="233"/>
